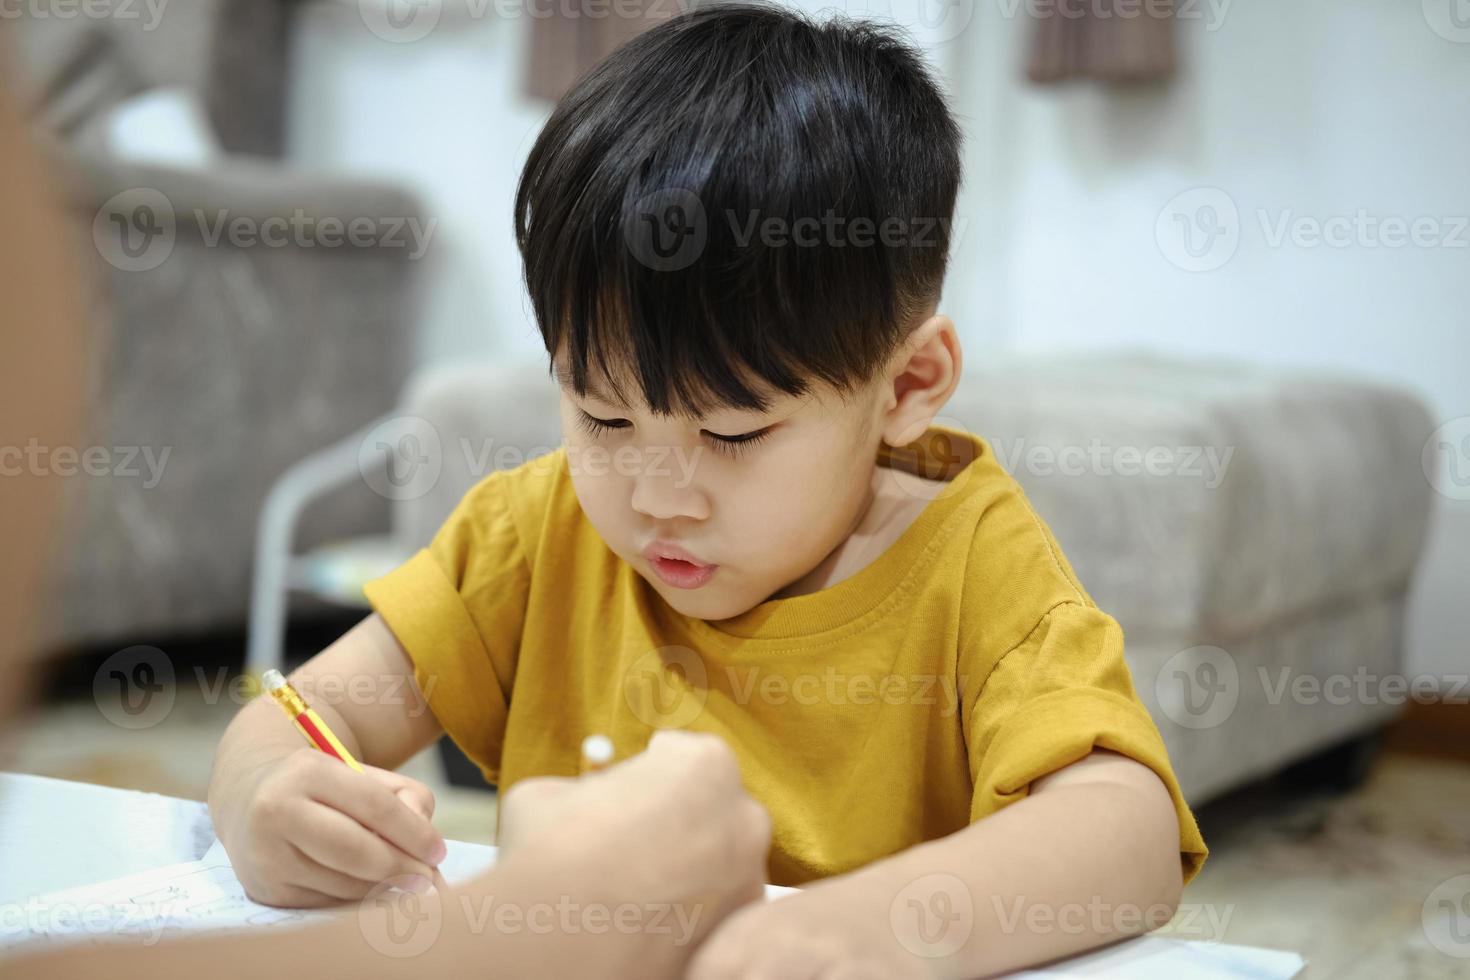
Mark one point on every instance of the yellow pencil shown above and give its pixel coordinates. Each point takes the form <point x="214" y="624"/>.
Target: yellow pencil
<point x="307" y="721"/>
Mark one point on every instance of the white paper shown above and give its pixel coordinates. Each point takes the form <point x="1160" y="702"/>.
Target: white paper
<point x="195" y="896"/>
<point x="192" y="896"/>
<point x="1166" y="958"/>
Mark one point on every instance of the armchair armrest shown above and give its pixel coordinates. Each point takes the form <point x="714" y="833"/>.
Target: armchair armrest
<point x="241" y="194"/>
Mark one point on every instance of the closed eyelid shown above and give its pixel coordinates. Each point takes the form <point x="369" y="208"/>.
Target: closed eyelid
<point x="564" y="380"/>
<point x="749" y="434"/>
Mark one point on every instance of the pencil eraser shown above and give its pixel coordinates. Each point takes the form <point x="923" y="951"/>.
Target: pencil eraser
<point x="597" y="750"/>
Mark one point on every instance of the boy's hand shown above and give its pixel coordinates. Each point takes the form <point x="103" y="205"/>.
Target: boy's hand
<point x="312" y="832"/>
<point x="841" y="928"/>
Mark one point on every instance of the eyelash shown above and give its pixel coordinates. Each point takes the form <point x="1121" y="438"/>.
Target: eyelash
<point x="732" y="446"/>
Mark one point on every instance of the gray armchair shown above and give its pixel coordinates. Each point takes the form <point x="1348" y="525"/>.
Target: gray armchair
<point x="219" y="358"/>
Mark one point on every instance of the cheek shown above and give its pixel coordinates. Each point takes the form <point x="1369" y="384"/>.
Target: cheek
<point x="599" y="490"/>
<point x="790" y="499"/>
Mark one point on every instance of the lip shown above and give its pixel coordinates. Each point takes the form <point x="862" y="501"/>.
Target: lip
<point x="676" y="566"/>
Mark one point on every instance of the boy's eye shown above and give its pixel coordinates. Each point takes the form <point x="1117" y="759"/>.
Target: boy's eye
<point x="596" y="427"/>
<point x="732" y="445"/>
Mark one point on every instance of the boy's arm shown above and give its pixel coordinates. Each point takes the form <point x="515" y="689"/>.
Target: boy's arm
<point x="363" y="687"/>
<point x="1089" y="857"/>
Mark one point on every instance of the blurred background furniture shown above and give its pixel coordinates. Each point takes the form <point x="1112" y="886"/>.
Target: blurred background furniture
<point x="235" y="358"/>
<point x="1273" y="535"/>
<point x="1246" y="527"/>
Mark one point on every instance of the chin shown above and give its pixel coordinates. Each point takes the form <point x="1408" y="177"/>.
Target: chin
<point x="701" y="603"/>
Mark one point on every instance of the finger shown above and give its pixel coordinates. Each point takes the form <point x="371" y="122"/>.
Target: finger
<point x="794" y="963"/>
<point x="851" y="971"/>
<point x="314" y="876"/>
<point x="531" y="803"/>
<point x="701" y="754"/>
<point x="380" y="810"/>
<point x="413" y="793"/>
<point x="335" y="840"/>
<point x="720" y="958"/>
<point x="293" y="897"/>
<point x="420" y="801"/>
<point x="755" y="823"/>
<point x="438" y="882"/>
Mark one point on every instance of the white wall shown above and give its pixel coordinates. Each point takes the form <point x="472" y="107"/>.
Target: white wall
<point x="443" y="113"/>
<point x="1311" y="109"/>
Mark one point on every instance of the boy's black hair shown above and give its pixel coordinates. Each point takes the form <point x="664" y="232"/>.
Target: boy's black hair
<point x="657" y="215"/>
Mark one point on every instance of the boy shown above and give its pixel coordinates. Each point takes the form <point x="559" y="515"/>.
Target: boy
<point x="735" y="233"/>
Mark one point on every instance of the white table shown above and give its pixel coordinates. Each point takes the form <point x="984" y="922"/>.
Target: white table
<point x="56" y="834"/>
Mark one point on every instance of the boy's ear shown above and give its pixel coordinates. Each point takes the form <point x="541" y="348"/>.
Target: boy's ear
<point x="923" y="376"/>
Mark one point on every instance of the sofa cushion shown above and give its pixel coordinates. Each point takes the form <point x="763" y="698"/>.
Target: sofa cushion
<point x="1210" y="499"/>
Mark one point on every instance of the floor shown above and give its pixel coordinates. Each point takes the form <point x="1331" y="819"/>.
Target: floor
<point x="1346" y="880"/>
<point x="1349" y="881"/>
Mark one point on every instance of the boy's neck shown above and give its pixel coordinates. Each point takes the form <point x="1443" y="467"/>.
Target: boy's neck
<point x="893" y="501"/>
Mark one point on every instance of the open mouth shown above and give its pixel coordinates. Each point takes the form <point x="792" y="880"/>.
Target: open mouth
<point x="682" y="574"/>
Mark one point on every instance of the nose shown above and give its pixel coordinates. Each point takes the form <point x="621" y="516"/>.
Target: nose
<point x="663" y="493"/>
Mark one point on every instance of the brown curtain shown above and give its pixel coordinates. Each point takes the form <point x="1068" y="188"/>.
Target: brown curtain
<point x="564" y="48"/>
<point x="247" y="83"/>
<point x="1103" y="40"/>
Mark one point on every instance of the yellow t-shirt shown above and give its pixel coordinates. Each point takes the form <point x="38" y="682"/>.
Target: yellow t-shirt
<point x="926" y="691"/>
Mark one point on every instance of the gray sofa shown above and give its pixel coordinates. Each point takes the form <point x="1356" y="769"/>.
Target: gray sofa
<point x="235" y="357"/>
<point x="1247" y="527"/>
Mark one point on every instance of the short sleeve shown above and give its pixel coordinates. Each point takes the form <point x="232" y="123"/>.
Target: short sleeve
<point x="458" y="608"/>
<point x="1061" y="692"/>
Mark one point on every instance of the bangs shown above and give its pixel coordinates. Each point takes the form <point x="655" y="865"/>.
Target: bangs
<point x="716" y="335"/>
